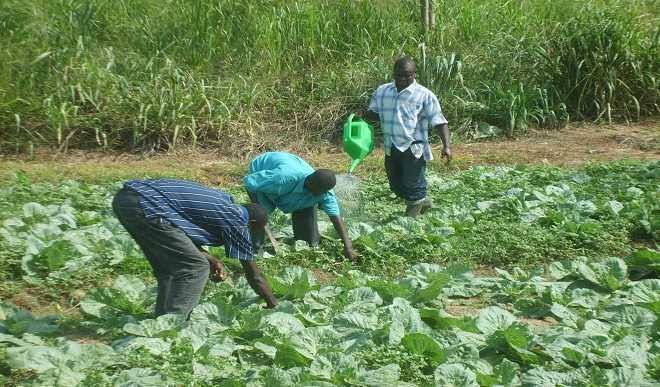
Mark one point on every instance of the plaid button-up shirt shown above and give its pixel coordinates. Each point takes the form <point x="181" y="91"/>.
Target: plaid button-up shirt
<point x="406" y="116"/>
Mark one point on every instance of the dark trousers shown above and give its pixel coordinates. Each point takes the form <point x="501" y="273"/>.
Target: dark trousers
<point x="305" y="228"/>
<point x="180" y="268"/>
<point x="406" y="174"/>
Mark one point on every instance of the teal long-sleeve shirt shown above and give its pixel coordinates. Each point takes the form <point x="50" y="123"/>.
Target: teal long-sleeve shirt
<point x="278" y="180"/>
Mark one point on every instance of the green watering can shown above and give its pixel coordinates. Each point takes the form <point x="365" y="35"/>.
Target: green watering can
<point x="358" y="140"/>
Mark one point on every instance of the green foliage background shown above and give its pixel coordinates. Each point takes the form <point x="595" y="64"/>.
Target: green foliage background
<point x="150" y="74"/>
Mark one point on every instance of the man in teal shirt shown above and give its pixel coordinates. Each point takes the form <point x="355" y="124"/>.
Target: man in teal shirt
<point x="285" y="181"/>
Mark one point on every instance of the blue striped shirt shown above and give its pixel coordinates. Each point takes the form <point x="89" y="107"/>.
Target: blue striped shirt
<point x="208" y="216"/>
<point x="406" y="116"/>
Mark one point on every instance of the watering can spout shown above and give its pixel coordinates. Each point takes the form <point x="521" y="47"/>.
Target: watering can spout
<point x="354" y="164"/>
<point x="358" y="140"/>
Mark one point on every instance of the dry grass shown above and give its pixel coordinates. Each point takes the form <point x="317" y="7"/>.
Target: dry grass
<point x="572" y="146"/>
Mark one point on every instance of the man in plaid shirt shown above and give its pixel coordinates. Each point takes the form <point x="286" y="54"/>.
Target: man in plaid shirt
<point x="405" y="111"/>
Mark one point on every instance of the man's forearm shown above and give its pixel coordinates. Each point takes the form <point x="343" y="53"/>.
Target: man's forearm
<point x="261" y="199"/>
<point x="445" y="135"/>
<point x="260" y="286"/>
<point x="341" y="230"/>
<point x="258" y="283"/>
<point x="372" y="118"/>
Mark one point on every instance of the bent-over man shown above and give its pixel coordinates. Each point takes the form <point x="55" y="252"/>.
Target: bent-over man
<point x="172" y="219"/>
<point x="285" y="181"/>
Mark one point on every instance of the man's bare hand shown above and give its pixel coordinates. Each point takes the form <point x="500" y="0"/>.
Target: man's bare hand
<point x="351" y="254"/>
<point x="219" y="272"/>
<point x="446" y="153"/>
<point x="371" y="117"/>
<point x="258" y="283"/>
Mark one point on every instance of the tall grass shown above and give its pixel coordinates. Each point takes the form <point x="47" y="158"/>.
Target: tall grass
<point x="253" y="75"/>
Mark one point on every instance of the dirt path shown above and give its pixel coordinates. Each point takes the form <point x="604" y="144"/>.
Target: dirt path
<point x="573" y="145"/>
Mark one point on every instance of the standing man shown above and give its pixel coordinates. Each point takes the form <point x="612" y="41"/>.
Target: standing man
<point x="171" y="219"/>
<point x="285" y="181"/>
<point x="405" y="111"/>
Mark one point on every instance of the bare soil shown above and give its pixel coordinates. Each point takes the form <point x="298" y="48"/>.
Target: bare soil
<point x="571" y="146"/>
<point x="574" y="145"/>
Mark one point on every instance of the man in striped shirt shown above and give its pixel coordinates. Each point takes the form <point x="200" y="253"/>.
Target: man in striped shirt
<point x="171" y="219"/>
<point x="406" y="111"/>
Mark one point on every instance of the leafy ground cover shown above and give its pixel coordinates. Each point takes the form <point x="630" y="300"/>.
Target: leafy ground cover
<point x="513" y="279"/>
<point x="363" y="330"/>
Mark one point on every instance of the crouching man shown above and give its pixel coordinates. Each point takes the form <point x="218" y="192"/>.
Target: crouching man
<point x="171" y="219"/>
<point x="285" y="181"/>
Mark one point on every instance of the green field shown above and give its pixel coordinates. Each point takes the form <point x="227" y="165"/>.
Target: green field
<point x="147" y="74"/>
<point x="541" y="269"/>
<point x="522" y="275"/>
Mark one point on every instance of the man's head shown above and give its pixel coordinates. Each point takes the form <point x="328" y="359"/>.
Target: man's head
<point x="404" y="72"/>
<point x="257" y="216"/>
<point x="321" y="181"/>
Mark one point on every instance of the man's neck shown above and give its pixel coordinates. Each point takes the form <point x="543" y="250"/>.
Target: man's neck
<point x="400" y="90"/>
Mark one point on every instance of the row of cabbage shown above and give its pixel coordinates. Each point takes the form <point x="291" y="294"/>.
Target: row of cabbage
<point x="584" y="323"/>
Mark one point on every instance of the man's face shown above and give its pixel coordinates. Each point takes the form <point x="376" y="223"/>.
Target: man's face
<point x="315" y="189"/>
<point x="404" y="76"/>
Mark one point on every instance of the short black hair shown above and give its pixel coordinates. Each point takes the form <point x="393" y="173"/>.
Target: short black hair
<point x="405" y="61"/>
<point x="257" y="214"/>
<point x="324" y="179"/>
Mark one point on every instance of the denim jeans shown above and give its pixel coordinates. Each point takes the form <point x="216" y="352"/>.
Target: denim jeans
<point x="406" y="174"/>
<point x="179" y="266"/>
